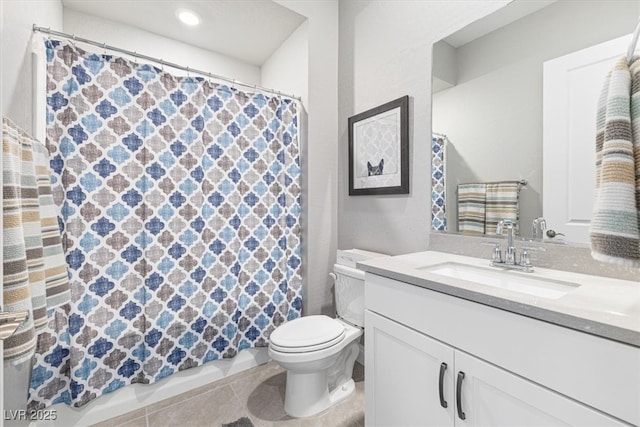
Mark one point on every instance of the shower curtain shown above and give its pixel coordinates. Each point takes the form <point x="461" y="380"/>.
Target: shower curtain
<point x="179" y="207"/>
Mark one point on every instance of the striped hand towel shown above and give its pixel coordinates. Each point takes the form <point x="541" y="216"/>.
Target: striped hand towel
<point x="502" y="203"/>
<point x="471" y="208"/>
<point x="615" y="227"/>
<point x="34" y="269"/>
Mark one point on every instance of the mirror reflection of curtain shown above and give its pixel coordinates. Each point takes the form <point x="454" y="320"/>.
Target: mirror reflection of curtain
<point x="438" y="218"/>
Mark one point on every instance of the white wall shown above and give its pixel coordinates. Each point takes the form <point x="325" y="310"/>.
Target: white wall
<point x="493" y="116"/>
<point x="18" y="18"/>
<point x="385" y="53"/>
<point x="287" y="69"/>
<point x="136" y="40"/>
<point x="320" y="165"/>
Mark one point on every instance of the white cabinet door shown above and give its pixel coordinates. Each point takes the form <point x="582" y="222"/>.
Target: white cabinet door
<point x="491" y="396"/>
<point x="403" y="376"/>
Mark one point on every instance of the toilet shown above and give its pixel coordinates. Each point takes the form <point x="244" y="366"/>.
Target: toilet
<point x="318" y="352"/>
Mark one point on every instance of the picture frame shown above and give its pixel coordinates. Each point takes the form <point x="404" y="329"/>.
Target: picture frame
<point x="379" y="150"/>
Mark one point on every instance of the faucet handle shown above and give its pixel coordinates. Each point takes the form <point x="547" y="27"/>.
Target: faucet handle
<point x="496" y="255"/>
<point x="525" y="258"/>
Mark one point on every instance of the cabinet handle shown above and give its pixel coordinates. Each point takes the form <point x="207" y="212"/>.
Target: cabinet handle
<point x="461" y="414"/>
<point x="443" y="368"/>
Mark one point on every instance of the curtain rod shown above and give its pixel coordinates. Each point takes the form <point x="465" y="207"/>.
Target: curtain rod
<point x="520" y="181"/>
<point x="233" y="82"/>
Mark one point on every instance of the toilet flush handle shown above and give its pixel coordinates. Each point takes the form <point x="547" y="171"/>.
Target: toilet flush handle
<point x="333" y="276"/>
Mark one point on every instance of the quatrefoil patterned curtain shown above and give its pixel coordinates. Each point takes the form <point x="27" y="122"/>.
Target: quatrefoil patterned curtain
<point x="179" y="207"/>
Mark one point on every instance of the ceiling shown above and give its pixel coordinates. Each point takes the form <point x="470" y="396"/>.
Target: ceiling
<point x="248" y="30"/>
<point x="513" y="11"/>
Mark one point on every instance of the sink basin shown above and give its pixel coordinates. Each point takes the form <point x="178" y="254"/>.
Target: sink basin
<point x="518" y="282"/>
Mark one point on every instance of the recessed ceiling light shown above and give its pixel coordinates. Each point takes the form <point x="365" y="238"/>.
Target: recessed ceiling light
<point x="188" y="17"/>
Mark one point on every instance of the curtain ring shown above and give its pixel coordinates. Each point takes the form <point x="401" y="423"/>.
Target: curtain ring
<point x="162" y="64"/>
<point x="188" y="75"/>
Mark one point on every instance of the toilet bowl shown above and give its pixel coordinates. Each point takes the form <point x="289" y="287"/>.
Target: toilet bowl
<point x="318" y="374"/>
<point x="318" y="352"/>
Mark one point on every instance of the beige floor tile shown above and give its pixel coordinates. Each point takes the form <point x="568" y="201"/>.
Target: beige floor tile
<point x="126" y="419"/>
<point x="138" y="422"/>
<point x="263" y="395"/>
<point x="208" y="409"/>
<point x="257" y="393"/>
<point x="186" y="395"/>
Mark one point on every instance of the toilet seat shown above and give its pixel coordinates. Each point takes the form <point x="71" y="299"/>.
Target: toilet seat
<point x="307" y="334"/>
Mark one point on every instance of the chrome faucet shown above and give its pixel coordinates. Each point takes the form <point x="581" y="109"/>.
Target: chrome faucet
<point x="538" y="227"/>
<point x="510" y="251"/>
<point x="509" y="261"/>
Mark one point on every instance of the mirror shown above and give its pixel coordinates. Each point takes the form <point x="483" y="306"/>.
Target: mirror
<point x="487" y="115"/>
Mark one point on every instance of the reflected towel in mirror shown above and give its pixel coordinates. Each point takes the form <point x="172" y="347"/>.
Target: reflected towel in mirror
<point x="472" y="208"/>
<point x="502" y="203"/>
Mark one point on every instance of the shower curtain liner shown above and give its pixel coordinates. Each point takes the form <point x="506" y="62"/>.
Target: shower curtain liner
<point x="179" y="207"/>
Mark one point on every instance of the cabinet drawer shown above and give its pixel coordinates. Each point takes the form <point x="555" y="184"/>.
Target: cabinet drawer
<point x="600" y="373"/>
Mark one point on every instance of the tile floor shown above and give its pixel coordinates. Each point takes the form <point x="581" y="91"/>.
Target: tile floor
<point x="257" y="394"/>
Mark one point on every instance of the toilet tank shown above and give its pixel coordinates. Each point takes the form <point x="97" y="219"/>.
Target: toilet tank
<point x="349" y="283"/>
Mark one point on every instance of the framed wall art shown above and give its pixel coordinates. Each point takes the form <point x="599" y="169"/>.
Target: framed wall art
<point x="379" y="150"/>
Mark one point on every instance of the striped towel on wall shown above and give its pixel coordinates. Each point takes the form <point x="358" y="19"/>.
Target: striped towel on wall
<point x="471" y="208"/>
<point x="34" y="269"/>
<point x="502" y="203"/>
<point x="615" y="224"/>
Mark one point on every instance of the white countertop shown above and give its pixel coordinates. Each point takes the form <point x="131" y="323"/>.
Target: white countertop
<point x="601" y="306"/>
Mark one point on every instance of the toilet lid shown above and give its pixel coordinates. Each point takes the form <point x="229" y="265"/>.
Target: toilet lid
<point x="308" y="333"/>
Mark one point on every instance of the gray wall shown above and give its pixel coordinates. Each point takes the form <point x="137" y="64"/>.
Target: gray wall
<point x="385" y="53"/>
<point x="493" y="116"/>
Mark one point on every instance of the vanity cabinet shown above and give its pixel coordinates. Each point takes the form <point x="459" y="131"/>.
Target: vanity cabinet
<point x="417" y="345"/>
<point x="403" y="376"/>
